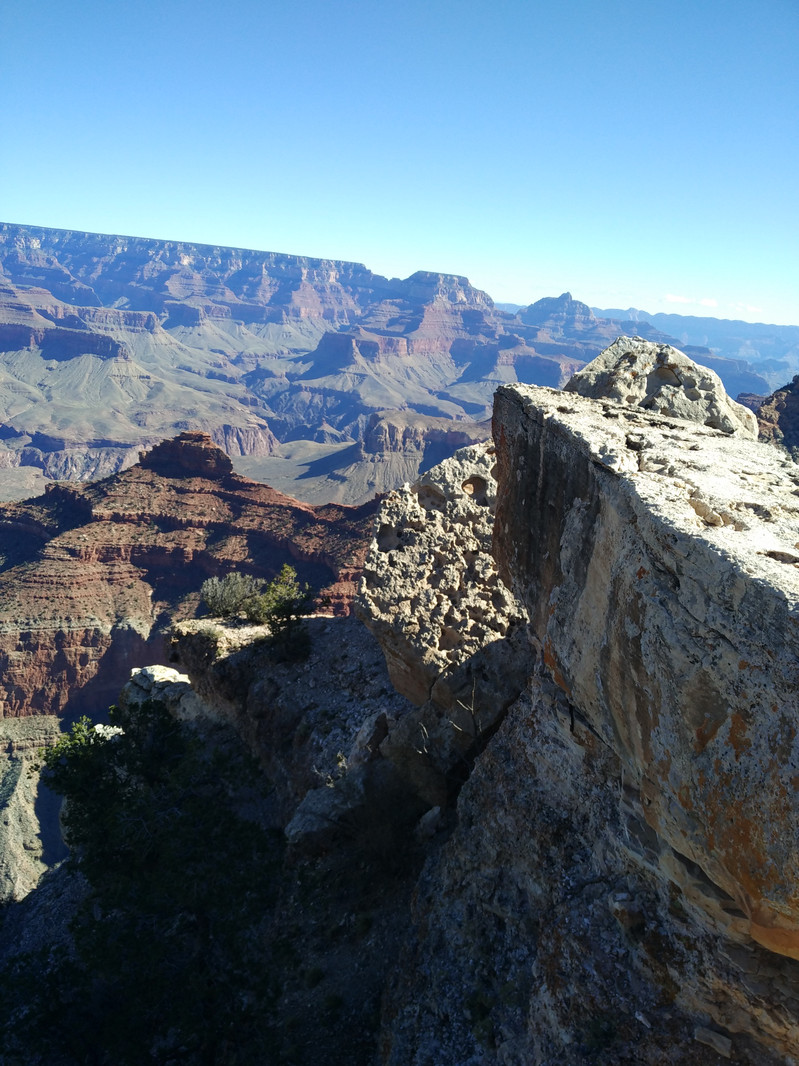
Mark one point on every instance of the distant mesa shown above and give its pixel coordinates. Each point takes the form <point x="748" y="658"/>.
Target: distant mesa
<point x="188" y="455"/>
<point x="563" y="309"/>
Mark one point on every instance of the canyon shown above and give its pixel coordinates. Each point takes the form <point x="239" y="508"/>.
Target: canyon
<point x="586" y="753"/>
<point x="109" y="344"/>
<point x="93" y="575"/>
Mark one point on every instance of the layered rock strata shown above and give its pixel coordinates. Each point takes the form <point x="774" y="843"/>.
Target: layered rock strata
<point x="90" y="576"/>
<point x="30" y="841"/>
<point x="112" y="343"/>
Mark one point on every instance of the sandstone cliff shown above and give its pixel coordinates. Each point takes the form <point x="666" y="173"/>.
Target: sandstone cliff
<point x="622" y="878"/>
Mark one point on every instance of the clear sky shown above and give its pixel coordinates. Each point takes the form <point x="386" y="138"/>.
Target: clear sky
<point x="635" y="152"/>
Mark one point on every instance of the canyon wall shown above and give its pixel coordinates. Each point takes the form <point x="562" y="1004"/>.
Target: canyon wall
<point x="91" y="577"/>
<point x="109" y="344"/>
<point x="594" y="621"/>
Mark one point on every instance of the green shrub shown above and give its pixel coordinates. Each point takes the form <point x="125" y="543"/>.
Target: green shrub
<point x="282" y="602"/>
<point x="279" y="605"/>
<point x="227" y="597"/>
<point x="168" y="961"/>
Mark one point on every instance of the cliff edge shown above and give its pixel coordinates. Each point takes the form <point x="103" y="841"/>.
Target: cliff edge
<point x="622" y="879"/>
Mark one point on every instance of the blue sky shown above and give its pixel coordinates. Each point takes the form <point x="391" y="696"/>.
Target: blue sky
<point x="635" y="153"/>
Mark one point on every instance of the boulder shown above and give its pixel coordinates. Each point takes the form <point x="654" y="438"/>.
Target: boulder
<point x="660" y="378"/>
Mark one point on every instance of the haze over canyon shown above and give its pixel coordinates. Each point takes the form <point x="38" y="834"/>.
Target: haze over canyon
<point x="324" y="379"/>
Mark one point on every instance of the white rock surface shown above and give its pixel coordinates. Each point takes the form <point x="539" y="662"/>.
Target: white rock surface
<point x="662" y="379"/>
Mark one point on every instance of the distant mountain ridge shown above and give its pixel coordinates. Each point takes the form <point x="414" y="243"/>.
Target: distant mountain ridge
<point x="109" y="344"/>
<point x="772" y="350"/>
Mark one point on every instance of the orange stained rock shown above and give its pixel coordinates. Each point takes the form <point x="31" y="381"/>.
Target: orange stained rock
<point x="780" y="939"/>
<point x="738" y="739"/>
<point x="551" y="661"/>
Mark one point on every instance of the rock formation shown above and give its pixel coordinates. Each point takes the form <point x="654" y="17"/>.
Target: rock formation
<point x="778" y="416"/>
<point x="454" y="639"/>
<point x="30" y="842"/>
<point x="596" y="622"/>
<point x="623" y="872"/>
<point x="660" y="378"/>
<point x="91" y="574"/>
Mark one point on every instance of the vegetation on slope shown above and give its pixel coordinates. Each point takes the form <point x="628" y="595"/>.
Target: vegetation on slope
<point x="166" y="962"/>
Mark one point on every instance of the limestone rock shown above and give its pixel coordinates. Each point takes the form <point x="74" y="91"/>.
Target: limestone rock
<point x="659" y="563"/>
<point x="622" y="877"/>
<point x="454" y="640"/>
<point x="660" y="378"/>
<point x="165" y="685"/>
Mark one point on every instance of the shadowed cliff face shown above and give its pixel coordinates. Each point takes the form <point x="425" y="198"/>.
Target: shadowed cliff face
<point x="91" y="574"/>
<point x="778" y="416"/>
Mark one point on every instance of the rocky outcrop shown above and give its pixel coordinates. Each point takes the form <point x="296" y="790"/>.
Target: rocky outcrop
<point x="660" y="378"/>
<point x="454" y="639"/>
<point x="189" y="455"/>
<point x="622" y="878"/>
<point x="778" y="416"/>
<point x="310" y="724"/>
<point x="666" y="609"/>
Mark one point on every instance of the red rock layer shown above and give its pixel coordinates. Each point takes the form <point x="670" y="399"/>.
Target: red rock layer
<point x="92" y="574"/>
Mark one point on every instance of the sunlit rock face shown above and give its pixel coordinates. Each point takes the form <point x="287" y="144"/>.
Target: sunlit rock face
<point x="660" y="378"/>
<point x="455" y="640"/>
<point x="622" y="879"/>
<point x="659" y="563"/>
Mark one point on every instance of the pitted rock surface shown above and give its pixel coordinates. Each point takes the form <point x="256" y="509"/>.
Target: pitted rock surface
<point x="662" y="379"/>
<point x="454" y="639"/>
<point x="622" y="879"/>
<point x="659" y="561"/>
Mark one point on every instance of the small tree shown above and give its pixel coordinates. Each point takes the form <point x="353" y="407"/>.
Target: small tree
<point x="281" y="606"/>
<point x="167" y="961"/>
